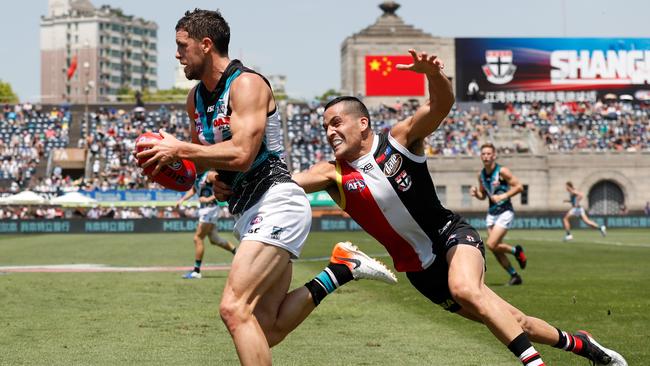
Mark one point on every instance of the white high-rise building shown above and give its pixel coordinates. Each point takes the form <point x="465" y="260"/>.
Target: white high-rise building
<point x="112" y="52"/>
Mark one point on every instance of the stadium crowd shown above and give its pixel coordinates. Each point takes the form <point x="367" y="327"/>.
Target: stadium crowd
<point x="607" y="125"/>
<point x="111" y="142"/>
<point x="99" y="212"/>
<point x="28" y="134"/>
<point x="460" y="134"/>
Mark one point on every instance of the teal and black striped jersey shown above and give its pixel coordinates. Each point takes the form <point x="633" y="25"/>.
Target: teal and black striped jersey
<point x="212" y="123"/>
<point x="204" y="189"/>
<point x="493" y="184"/>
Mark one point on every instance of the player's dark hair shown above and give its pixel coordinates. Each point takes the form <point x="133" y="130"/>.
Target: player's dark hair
<point x="207" y="23"/>
<point x="568" y="183"/>
<point x="490" y="145"/>
<point x="352" y="106"/>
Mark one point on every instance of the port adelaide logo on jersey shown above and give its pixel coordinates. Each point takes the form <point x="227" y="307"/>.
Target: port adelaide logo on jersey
<point x="355" y="185"/>
<point x="392" y="165"/>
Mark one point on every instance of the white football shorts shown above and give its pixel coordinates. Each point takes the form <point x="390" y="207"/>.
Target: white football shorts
<point x="576" y="211"/>
<point x="282" y="218"/>
<point x="503" y="219"/>
<point x="209" y="215"/>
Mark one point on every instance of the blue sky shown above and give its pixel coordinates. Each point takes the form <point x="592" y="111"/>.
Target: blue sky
<point x="302" y="39"/>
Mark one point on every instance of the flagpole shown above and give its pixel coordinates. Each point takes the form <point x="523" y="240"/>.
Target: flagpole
<point x="564" y="18"/>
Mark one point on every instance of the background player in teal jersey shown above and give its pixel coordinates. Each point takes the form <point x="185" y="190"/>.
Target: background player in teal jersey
<point x="576" y="210"/>
<point x="498" y="184"/>
<point x="208" y="217"/>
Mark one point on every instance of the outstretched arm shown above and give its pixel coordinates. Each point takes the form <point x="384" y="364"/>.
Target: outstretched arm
<point x="317" y="178"/>
<point x="428" y="117"/>
<point x="186" y="196"/>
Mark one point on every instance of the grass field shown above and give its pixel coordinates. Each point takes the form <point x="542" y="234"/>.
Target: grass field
<point x="157" y="318"/>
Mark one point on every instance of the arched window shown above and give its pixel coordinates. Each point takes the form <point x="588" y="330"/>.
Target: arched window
<point x="605" y="198"/>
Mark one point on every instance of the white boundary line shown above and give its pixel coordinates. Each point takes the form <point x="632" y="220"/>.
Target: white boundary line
<point x="599" y="242"/>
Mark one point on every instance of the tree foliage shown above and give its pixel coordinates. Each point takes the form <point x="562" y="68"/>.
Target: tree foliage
<point x="161" y="95"/>
<point x="329" y="94"/>
<point x="7" y="94"/>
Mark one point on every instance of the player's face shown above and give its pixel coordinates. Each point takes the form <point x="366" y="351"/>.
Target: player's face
<point x="343" y="132"/>
<point x="488" y="156"/>
<point x="188" y="52"/>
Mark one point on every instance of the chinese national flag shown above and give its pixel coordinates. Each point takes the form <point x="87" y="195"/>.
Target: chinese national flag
<point x="73" y="67"/>
<point x="384" y="79"/>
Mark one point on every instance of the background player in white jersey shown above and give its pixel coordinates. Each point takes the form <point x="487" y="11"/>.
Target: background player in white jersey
<point x="383" y="182"/>
<point x="236" y="130"/>
<point x="575" y="196"/>
<point x="208" y="216"/>
<point x="498" y="185"/>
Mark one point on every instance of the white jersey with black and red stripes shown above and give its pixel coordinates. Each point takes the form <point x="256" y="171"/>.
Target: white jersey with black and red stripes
<point x="390" y="194"/>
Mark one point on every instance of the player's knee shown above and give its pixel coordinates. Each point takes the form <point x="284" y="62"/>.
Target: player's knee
<point x="198" y="238"/>
<point x="217" y="240"/>
<point x="233" y="314"/>
<point x="468" y="296"/>
<point x="492" y="244"/>
<point x="523" y="322"/>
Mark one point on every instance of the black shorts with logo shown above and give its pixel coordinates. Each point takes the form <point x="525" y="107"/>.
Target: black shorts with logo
<point x="433" y="281"/>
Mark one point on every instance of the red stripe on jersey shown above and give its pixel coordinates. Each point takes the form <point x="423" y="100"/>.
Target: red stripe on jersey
<point x="362" y="207"/>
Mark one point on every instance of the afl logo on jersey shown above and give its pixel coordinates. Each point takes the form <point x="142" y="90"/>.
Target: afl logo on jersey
<point x="355" y="185"/>
<point x="392" y="165"/>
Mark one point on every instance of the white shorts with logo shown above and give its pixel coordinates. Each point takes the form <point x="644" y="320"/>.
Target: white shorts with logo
<point x="576" y="211"/>
<point x="209" y="215"/>
<point x="281" y="218"/>
<point x="503" y="219"/>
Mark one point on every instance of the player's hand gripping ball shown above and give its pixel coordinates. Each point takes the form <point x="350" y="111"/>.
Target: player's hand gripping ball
<point x="179" y="175"/>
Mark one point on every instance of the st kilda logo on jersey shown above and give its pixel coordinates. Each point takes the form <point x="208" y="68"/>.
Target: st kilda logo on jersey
<point x="403" y="181"/>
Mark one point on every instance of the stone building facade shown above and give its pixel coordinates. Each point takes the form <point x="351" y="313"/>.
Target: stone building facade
<point x="389" y="35"/>
<point x="608" y="180"/>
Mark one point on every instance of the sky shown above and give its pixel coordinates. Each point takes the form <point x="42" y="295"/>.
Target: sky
<point x="302" y="38"/>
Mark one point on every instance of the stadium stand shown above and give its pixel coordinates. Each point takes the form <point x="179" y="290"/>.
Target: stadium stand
<point x="28" y="134"/>
<point x="460" y="134"/>
<point x="603" y="126"/>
